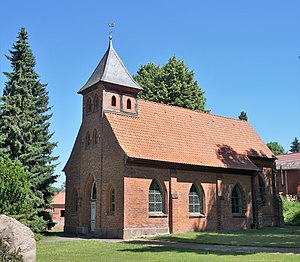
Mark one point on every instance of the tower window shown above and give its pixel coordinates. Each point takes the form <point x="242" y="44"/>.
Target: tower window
<point x="113" y="101"/>
<point x="96" y="102"/>
<point x="128" y="103"/>
<point x="95" y="137"/>
<point x="89" y="105"/>
<point x="88" y="139"/>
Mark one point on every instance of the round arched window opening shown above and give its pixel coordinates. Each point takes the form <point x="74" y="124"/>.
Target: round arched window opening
<point x="128" y="103"/>
<point x="113" y="101"/>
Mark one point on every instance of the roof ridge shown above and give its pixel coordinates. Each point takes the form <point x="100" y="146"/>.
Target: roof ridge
<point x="192" y="110"/>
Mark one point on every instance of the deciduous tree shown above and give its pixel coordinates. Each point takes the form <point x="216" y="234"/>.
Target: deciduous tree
<point x="275" y="148"/>
<point x="171" y="84"/>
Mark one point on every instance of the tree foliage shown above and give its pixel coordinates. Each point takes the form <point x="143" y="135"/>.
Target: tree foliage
<point x="171" y="84"/>
<point x="276" y="148"/>
<point x="24" y="125"/>
<point x="243" y="116"/>
<point x="14" y="187"/>
<point x="295" y="145"/>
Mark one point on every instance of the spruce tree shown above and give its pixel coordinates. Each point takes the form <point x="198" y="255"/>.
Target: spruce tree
<point x="295" y="146"/>
<point x="24" y="125"/>
<point x="243" y="116"/>
<point x="171" y="84"/>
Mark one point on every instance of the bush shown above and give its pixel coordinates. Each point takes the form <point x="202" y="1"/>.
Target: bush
<point x="14" y="187"/>
<point x="9" y="256"/>
<point x="291" y="212"/>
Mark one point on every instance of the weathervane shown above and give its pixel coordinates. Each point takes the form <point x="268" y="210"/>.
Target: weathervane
<point x="111" y="26"/>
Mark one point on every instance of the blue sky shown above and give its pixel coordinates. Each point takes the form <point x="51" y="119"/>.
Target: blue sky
<point x="244" y="54"/>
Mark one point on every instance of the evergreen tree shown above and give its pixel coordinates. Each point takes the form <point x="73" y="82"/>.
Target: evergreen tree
<point x="24" y="125"/>
<point x="171" y="84"/>
<point x="276" y="148"/>
<point x="243" y="116"/>
<point x="295" y="146"/>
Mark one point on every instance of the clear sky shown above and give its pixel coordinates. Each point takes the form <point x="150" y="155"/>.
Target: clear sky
<point x="244" y="54"/>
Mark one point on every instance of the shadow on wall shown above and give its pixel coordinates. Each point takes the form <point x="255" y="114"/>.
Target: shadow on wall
<point x="201" y="224"/>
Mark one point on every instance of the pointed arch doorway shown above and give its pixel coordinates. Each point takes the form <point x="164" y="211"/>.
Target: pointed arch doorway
<point x="93" y="207"/>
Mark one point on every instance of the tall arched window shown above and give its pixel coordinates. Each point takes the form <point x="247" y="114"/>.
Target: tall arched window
<point x="262" y="190"/>
<point x="128" y="103"/>
<point x="96" y="102"/>
<point x="95" y="137"/>
<point x="94" y="192"/>
<point x="88" y="139"/>
<point x="112" y="202"/>
<point x="74" y="201"/>
<point x="156" y="198"/>
<point x="236" y="201"/>
<point x="89" y="105"/>
<point x="113" y="101"/>
<point x="196" y="200"/>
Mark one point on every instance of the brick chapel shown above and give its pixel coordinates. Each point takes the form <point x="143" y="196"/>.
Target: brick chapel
<point x="141" y="168"/>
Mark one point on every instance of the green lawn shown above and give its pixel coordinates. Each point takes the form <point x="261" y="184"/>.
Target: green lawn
<point x="90" y="250"/>
<point x="267" y="237"/>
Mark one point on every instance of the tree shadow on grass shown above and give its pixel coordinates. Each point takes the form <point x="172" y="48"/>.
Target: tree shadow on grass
<point x="164" y="249"/>
<point x="288" y="237"/>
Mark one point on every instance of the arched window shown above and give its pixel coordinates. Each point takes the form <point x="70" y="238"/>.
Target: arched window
<point x="112" y="202"/>
<point x="95" y="137"/>
<point x="89" y="105"/>
<point x="236" y="201"/>
<point x="195" y="200"/>
<point x="74" y="201"/>
<point x="94" y="192"/>
<point x="88" y="139"/>
<point x="113" y="101"/>
<point x="156" y="197"/>
<point x="96" y="102"/>
<point x="128" y="103"/>
<point x="262" y="190"/>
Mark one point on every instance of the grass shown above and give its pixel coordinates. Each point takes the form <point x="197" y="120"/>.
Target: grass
<point x="90" y="250"/>
<point x="291" y="212"/>
<point x="267" y="237"/>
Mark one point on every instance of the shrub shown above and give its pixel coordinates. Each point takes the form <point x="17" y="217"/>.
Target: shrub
<point x="9" y="256"/>
<point x="291" y="212"/>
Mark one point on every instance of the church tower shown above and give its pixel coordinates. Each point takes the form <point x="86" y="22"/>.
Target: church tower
<point x="119" y="88"/>
<point x="90" y="184"/>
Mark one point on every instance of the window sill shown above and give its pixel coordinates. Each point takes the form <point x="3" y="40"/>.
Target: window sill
<point x="193" y="215"/>
<point x="111" y="214"/>
<point x="157" y="214"/>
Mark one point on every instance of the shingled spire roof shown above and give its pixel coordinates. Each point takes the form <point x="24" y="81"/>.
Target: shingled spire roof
<point x="111" y="70"/>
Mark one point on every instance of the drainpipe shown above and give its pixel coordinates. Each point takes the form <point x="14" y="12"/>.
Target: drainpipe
<point x="254" y="204"/>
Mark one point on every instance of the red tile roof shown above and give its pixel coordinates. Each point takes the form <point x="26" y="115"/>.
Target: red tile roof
<point x="178" y="135"/>
<point x="59" y="198"/>
<point x="292" y="157"/>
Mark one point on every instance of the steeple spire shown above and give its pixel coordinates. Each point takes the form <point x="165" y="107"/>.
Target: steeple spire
<point x="111" y="70"/>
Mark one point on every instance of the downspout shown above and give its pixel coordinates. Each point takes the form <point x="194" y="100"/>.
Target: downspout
<point x="254" y="204"/>
<point x="170" y="203"/>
